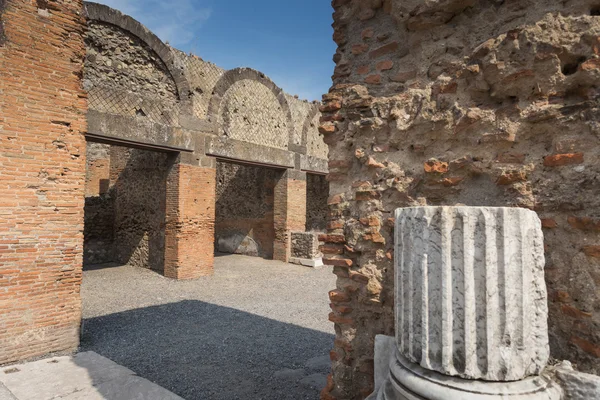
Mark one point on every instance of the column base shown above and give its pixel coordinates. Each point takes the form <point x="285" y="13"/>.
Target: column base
<point x="409" y="381"/>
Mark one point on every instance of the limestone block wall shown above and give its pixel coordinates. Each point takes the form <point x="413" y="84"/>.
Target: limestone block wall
<point x="474" y="102"/>
<point x="244" y="222"/>
<point x="42" y="174"/>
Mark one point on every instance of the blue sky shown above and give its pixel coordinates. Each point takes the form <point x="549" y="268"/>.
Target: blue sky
<point x="289" y="40"/>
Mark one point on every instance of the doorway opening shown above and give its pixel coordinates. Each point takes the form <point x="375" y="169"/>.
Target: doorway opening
<point x="125" y="207"/>
<point x="245" y="209"/>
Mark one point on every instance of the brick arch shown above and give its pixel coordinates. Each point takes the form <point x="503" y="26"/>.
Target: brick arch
<point x="102" y="13"/>
<point x="237" y="74"/>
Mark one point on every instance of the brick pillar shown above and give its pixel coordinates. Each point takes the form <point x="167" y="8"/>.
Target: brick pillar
<point x="42" y="176"/>
<point x="289" y="210"/>
<point x="190" y="230"/>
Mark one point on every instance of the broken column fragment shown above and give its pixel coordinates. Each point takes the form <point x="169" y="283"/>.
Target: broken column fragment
<point x="471" y="292"/>
<point x="471" y="306"/>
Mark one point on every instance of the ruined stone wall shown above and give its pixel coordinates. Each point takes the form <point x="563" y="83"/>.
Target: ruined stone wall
<point x="475" y="102"/>
<point x="317" y="193"/>
<point x="202" y="77"/>
<point x="124" y="76"/>
<point x="125" y="206"/>
<point x="42" y="173"/>
<point x="244" y="209"/>
<point x="139" y="180"/>
<point x="99" y="209"/>
<point x="300" y="112"/>
<point x="251" y="112"/>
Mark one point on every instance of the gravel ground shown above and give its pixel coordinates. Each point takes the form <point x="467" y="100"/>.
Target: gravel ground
<point x="257" y="329"/>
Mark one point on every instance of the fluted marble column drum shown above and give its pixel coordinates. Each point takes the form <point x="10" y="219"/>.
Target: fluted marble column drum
<point x="470" y="291"/>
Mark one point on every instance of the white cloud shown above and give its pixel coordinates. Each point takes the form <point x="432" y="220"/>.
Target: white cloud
<point x="174" y="21"/>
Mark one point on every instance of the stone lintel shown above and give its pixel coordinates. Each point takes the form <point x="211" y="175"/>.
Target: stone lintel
<point x="133" y="132"/>
<point x="236" y="150"/>
<point x="314" y="164"/>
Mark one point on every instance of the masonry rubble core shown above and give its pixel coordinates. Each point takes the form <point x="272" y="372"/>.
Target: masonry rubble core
<point x="444" y="102"/>
<point x="461" y="102"/>
<point x="119" y="148"/>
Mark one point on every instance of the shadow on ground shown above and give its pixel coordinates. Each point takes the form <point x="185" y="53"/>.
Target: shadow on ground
<point x="204" y="351"/>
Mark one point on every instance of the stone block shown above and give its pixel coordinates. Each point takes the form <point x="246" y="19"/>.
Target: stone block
<point x="577" y="385"/>
<point x="305" y="245"/>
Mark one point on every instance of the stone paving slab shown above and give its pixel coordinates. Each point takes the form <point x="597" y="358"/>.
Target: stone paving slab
<point x="84" y="376"/>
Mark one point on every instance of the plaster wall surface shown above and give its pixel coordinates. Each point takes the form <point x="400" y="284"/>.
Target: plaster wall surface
<point x="473" y="102"/>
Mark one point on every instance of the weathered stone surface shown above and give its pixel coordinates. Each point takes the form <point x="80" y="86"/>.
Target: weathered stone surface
<point x="412" y="382"/>
<point x="6" y="394"/>
<point x="317" y="192"/>
<point x="305" y="245"/>
<point x="577" y="385"/>
<point x="224" y="147"/>
<point x="245" y="209"/>
<point x="504" y="93"/>
<point x="471" y="292"/>
<point x="85" y="375"/>
<point x="138" y="194"/>
<point x="236" y="243"/>
<point x="385" y="351"/>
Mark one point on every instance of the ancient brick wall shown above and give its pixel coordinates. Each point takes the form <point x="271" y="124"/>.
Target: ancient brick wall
<point x="317" y="193"/>
<point x="190" y="219"/>
<point x="289" y="210"/>
<point x="475" y="102"/>
<point x="42" y="161"/>
<point x="244" y="209"/>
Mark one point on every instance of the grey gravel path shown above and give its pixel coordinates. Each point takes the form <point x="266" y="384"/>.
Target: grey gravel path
<point x="257" y="329"/>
